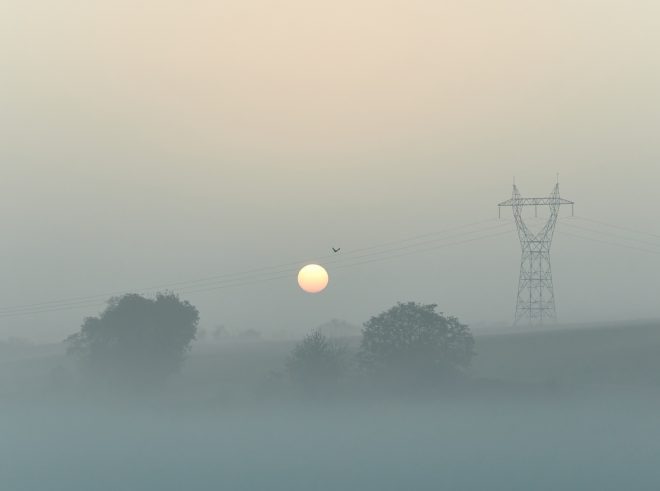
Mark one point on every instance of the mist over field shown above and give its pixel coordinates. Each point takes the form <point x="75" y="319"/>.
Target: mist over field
<point x="565" y="409"/>
<point x="351" y="245"/>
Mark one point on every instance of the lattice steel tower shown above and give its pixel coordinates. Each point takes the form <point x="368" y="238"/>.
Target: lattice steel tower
<point x="536" y="297"/>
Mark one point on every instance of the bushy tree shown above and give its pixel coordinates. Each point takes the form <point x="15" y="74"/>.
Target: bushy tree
<point x="412" y="342"/>
<point x="317" y="363"/>
<point x="136" y="341"/>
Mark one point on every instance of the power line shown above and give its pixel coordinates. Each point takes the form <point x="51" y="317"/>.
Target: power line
<point x="610" y="234"/>
<point x="84" y="302"/>
<point x="506" y="232"/>
<point x="617" y="226"/>
<point x="359" y="263"/>
<point x="561" y="232"/>
<point x="495" y="227"/>
<point x="237" y="283"/>
<point x="247" y="274"/>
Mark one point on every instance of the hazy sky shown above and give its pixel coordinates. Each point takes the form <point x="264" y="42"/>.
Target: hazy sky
<point x="145" y="143"/>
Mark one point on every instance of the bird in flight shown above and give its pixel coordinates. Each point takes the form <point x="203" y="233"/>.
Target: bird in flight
<point x="336" y="250"/>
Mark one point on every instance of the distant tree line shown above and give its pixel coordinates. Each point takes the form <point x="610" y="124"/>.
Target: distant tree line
<point x="137" y="342"/>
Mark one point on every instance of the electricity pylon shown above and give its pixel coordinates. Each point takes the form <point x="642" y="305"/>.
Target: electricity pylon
<point x="536" y="296"/>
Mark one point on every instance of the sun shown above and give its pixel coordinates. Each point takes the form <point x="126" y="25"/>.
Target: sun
<point x="313" y="278"/>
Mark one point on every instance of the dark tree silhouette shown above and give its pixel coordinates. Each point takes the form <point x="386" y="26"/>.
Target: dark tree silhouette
<point x="317" y="363"/>
<point x="412" y="342"/>
<point x="136" y="341"/>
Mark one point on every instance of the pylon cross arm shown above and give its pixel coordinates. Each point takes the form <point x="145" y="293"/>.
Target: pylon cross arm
<point x="535" y="201"/>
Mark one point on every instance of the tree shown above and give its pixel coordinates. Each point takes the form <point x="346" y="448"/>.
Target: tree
<point x="411" y="342"/>
<point x="136" y="341"/>
<point x="316" y="363"/>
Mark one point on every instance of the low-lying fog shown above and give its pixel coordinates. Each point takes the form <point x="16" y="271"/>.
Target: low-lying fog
<point x="556" y="409"/>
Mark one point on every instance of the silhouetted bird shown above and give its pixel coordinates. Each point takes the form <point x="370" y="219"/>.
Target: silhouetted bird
<point x="336" y="250"/>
